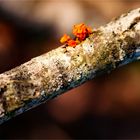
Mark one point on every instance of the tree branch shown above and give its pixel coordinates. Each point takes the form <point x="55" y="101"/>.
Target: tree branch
<point x="64" y="68"/>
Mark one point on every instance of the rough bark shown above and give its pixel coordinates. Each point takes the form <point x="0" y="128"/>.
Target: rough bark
<point x="53" y="73"/>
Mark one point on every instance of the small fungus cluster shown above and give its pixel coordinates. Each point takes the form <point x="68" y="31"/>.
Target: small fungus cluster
<point x="80" y="31"/>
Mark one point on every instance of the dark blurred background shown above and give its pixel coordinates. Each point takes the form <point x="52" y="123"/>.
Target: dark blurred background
<point x="106" y="107"/>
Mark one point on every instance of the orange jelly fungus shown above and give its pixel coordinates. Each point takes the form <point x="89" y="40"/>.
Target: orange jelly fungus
<point x="81" y="31"/>
<point x="64" y="38"/>
<point x="72" y="43"/>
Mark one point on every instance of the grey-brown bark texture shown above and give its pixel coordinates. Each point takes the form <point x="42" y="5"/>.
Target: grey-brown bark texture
<point x="64" y="68"/>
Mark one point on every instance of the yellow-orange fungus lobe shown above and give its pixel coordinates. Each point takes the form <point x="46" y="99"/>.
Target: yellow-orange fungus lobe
<point x="77" y="41"/>
<point x="64" y="38"/>
<point x="72" y="43"/>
